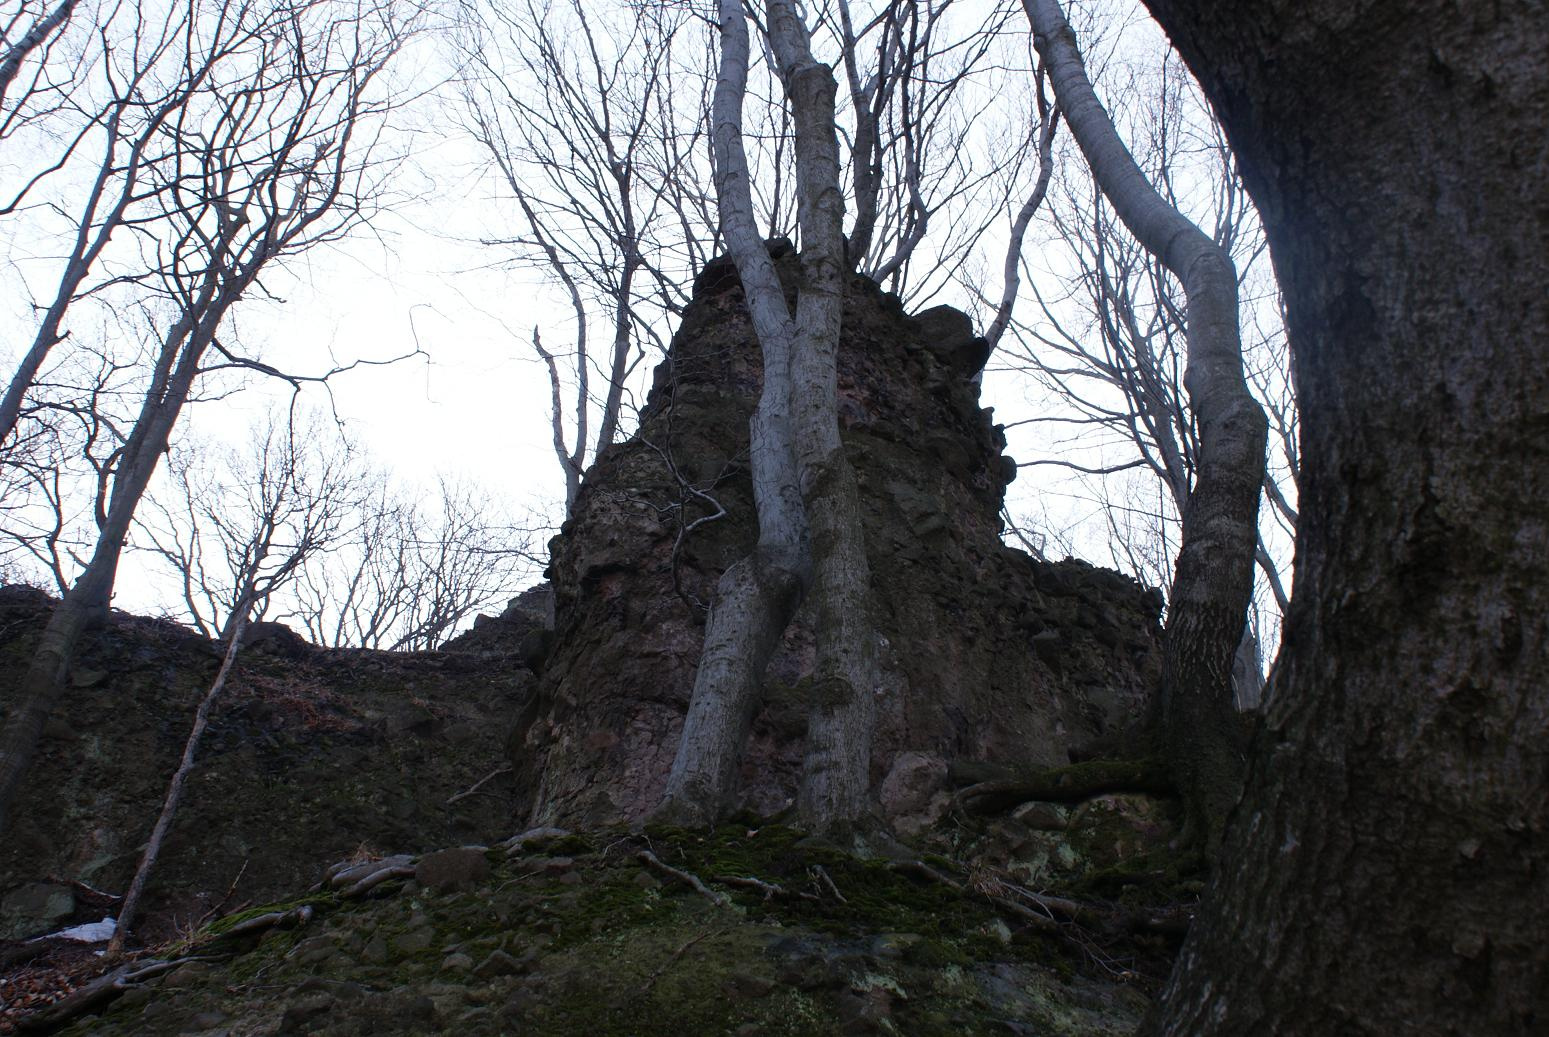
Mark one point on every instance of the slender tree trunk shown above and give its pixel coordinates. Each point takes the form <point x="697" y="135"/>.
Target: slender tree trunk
<point x="801" y="475"/>
<point x="836" y="767"/>
<point x="757" y="597"/>
<point x="86" y="602"/>
<point x="131" y="904"/>
<point x="1213" y="577"/>
<point x="1391" y="853"/>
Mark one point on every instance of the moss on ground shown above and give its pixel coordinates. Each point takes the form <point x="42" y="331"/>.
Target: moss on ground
<point x="592" y="942"/>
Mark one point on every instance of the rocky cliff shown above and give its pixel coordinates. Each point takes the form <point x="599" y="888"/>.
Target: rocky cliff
<point x="311" y="754"/>
<point x="988" y="655"/>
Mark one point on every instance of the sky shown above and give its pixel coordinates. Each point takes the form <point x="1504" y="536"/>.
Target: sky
<point x="475" y="403"/>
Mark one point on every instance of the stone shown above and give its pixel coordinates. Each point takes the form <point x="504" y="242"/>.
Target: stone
<point x="375" y="952"/>
<point x="413" y="941"/>
<point x="457" y="868"/>
<point x="745" y="984"/>
<point x="37" y="907"/>
<point x="458" y="962"/>
<point x="1108" y="830"/>
<point x="1047" y="817"/>
<point x="914" y="792"/>
<point x="959" y="676"/>
<point x="894" y="945"/>
<point x="299" y="1014"/>
<point x="189" y="975"/>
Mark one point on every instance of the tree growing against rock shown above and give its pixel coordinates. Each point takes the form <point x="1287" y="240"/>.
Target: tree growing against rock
<point x="808" y="508"/>
<point x="1213" y="576"/>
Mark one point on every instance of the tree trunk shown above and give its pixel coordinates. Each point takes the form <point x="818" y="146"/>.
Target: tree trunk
<point x="1213" y="576"/>
<point x="1390" y="859"/>
<point x="131" y="903"/>
<point x="836" y="768"/>
<point x="800" y="473"/>
<point x="87" y="600"/>
<point x="757" y="597"/>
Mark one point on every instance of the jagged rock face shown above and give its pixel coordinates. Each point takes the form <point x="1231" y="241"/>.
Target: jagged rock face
<point x="987" y="654"/>
<point x="310" y="754"/>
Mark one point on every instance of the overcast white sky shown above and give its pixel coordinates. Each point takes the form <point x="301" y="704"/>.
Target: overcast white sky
<point x="477" y="404"/>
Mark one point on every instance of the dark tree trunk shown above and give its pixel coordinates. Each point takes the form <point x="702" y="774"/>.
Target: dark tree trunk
<point x="1390" y="859"/>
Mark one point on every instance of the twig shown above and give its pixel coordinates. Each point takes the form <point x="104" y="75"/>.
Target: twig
<point x="655" y="863"/>
<point x="465" y="793"/>
<point x="924" y="870"/>
<point x="221" y="903"/>
<point x="770" y="890"/>
<point x="102" y="989"/>
<point x="1044" y="923"/>
<point x="661" y="969"/>
<point x="87" y="891"/>
<point x="827" y="883"/>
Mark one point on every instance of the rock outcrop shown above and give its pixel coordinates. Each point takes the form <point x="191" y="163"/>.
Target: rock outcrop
<point x="988" y="654"/>
<point x="311" y="754"/>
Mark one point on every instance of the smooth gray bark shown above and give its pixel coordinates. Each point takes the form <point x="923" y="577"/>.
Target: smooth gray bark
<point x="757" y="596"/>
<point x="836" y="766"/>
<point x="1390" y="859"/>
<point x="801" y="474"/>
<point x="1213" y="576"/>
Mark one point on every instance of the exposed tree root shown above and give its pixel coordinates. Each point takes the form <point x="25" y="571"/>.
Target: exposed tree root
<point x="96" y="993"/>
<point x="992" y="794"/>
<point x="656" y="864"/>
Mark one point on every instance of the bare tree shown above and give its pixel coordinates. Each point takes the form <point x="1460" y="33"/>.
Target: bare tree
<point x="154" y="65"/>
<point x="804" y="486"/>
<point x="235" y="525"/>
<point x="583" y="119"/>
<point x="258" y="167"/>
<point x="1213" y="579"/>
<point x="1114" y="371"/>
<point x="412" y="569"/>
<point x="235" y="548"/>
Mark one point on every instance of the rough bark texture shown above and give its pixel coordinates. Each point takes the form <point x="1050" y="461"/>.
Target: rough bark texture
<point x="1213" y="575"/>
<point x="985" y="653"/>
<point x="1391" y="857"/>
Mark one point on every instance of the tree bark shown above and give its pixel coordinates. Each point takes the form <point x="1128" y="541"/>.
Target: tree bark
<point x="800" y="472"/>
<point x="1213" y="576"/>
<point x="836" y="767"/>
<point x="757" y="597"/>
<point x="1391" y="854"/>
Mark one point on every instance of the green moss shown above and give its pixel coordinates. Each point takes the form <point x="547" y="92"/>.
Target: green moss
<point x="219" y="927"/>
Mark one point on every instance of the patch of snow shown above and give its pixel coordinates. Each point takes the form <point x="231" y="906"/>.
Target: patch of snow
<point x="90" y="932"/>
